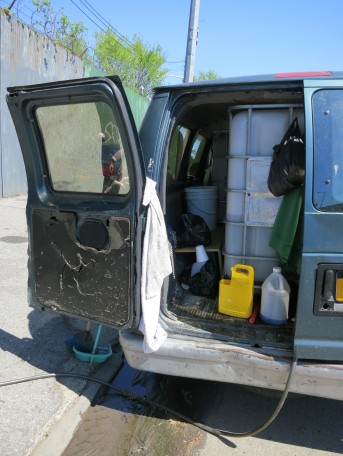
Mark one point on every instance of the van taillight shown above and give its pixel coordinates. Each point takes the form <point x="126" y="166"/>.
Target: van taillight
<point x="339" y="286"/>
<point x="329" y="290"/>
<point x="304" y="74"/>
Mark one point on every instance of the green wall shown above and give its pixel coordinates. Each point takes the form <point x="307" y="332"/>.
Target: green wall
<point x="138" y="104"/>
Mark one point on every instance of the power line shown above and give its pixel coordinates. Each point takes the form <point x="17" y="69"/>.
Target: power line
<point x="19" y="14"/>
<point x="106" y="23"/>
<point x="92" y="15"/>
<point x="97" y="25"/>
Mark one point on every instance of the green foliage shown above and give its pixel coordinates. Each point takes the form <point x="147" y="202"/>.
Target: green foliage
<point x="70" y="36"/>
<point x="139" y="65"/>
<point x="204" y="76"/>
<point x="6" y="11"/>
<point x="136" y="63"/>
<point x="57" y="27"/>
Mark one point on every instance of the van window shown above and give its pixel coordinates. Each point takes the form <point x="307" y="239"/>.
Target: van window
<point x="176" y="150"/>
<point x="328" y="150"/>
<point x="83" y="147"/>
<point x="195" y="157"/>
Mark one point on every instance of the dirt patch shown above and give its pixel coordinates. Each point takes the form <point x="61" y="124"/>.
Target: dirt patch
<point x="107" y="431"/>
<point x="150" y="436"/>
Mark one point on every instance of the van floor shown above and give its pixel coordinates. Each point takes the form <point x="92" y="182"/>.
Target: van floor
<point x="202" y="313"/>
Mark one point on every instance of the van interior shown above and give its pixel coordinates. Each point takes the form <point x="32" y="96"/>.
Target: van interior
<point x="225" y="140"/>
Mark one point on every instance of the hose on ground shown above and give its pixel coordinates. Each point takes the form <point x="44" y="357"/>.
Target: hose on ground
<point x="155" y="405"/>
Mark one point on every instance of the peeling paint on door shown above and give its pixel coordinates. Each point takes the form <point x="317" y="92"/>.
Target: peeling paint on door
<point x="82" y="265"/>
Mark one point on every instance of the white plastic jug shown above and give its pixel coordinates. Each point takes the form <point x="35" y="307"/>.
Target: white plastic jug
<point x="275" y="298"/>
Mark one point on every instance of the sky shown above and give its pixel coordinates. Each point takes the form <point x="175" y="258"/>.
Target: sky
<point x="235" y="37"/>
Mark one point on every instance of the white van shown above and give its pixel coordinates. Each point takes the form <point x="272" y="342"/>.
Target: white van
<point x="98" y="253"/>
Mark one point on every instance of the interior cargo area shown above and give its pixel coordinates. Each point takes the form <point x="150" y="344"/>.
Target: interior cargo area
<point x="219" y="156"/>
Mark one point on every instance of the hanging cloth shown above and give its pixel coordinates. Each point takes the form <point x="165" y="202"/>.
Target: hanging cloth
<point x="287" y="233"/>
<point x="156" y="266"/>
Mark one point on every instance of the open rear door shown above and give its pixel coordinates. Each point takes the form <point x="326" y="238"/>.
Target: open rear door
<point x="85" y="180"/>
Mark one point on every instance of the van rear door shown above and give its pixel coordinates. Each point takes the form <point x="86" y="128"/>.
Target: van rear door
<point x="319" y="319"/>
<point x="85" y="179"/>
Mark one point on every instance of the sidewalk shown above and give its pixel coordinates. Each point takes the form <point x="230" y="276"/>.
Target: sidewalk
<point x="38" y="417"/>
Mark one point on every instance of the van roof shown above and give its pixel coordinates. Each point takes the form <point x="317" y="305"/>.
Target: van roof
<point x="277" y="78"/>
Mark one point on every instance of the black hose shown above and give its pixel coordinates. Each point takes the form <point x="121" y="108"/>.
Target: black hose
<point x="142" y="400"/>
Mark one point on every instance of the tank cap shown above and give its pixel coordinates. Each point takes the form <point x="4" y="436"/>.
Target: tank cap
<point x="276" y="269"/>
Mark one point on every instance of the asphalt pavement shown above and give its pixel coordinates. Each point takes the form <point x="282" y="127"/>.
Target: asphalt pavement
<point x="38" y="417"/>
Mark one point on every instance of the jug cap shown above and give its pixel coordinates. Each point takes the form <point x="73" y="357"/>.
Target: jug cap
<point x="277" y="269"/>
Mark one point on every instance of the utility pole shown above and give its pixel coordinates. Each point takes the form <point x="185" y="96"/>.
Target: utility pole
<point x="192" y="40"/>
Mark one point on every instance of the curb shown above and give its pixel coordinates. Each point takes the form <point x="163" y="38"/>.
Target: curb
<point x="59" y="433"/>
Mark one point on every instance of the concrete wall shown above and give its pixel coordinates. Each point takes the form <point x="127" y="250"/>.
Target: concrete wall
<point x="26" y="57"/>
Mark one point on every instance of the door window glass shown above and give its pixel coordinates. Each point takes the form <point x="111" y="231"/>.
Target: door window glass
<point x="176" y="151"/>
<point x="195" y="157"/>
<point x="84" y="148"/>
<point x="328" y="150"/>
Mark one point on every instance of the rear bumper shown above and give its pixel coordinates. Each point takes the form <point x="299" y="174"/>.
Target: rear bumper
<point x="211" y="360"/>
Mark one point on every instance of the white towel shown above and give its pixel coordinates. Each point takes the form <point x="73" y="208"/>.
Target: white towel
<point x="156" y="265"/>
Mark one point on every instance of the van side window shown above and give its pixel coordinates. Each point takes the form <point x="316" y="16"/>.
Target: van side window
<point x="195" y="158"/>
<point x="328" y="150"/>
<point x="176" y="151"/>
<point x="83" y="148"/>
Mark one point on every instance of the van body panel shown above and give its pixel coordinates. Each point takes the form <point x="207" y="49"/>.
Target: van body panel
<point x="221" y="362"/>
<point x="318" y="328"/>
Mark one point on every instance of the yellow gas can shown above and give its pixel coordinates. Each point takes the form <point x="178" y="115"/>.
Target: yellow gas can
<point x="236" y="294"/>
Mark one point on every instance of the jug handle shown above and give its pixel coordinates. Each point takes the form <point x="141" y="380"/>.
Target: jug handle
<point x="243" y="269"/>
<point x="280" y="283"/>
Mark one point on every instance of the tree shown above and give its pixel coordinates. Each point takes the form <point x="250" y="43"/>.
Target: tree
<point x="136" y="63"/>
<point x="57" y="27"/>
<point x="204" y="76"/>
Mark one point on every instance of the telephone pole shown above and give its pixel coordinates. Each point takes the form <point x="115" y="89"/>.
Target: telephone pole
<point x="192" y="40"/>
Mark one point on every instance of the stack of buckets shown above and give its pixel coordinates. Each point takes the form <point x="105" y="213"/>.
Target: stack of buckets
<point x="202" y="201"/>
